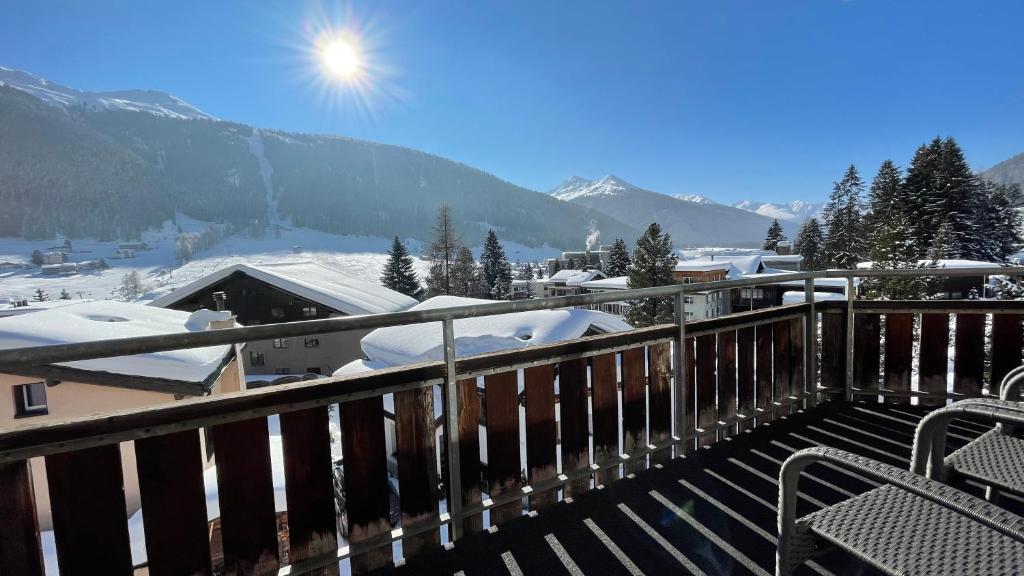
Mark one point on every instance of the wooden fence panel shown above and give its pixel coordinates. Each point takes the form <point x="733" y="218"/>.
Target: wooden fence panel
<point x="504" y="473"/>
<point x="20" y="548"/>
<point x="796" y="356"/>
<point x="707" y="410"/>
<point x="605" y="389"/>
<point x="1007" y="344"/>
<point x="366" y="479"/>
<point x="415" y="445"/>
<point x="782" y="364"/>
<point x="690" y="393"/>
<point x="933" y="365"/>
<point x="763" y="371"/>
<point x="541" y="430"/>
<point x="660" y="367"/>
<point x="969" y="354"/>
<point x="727" y="379"/>
<point x="173" y="498"/>
<point x="867" y="336"/>
<point x="634" y="408"/>
<point x="746" y="385"/>
<point x="469" y="450"/>
<point x="833" y="352"/>
<point x="572" y="387"/>
<point x="90" y="519"/>
<point x="899" y="355"/>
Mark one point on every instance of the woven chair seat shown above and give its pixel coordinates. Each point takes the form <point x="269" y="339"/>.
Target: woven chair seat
<point x="995" y="459"/>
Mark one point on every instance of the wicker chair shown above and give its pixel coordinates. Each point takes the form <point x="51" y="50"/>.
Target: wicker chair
<point x="909" y="525"/>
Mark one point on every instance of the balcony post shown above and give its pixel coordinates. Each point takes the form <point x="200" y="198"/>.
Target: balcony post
<point x="679" y="371"/>
<point x="850" y="296"/>
<point x="811" y="346"/>
<point x="451" y="416"/>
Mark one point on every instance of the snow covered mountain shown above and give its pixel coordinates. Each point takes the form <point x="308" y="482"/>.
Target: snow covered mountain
<point x="697" y="198"/>
<point x="794" y="212"/>
<point x="1009" y="171"/>
<point x="690" y="223"/>
<point x="151" y="101"/>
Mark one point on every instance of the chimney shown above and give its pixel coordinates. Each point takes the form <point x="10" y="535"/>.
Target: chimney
<point x="220" y="300"/>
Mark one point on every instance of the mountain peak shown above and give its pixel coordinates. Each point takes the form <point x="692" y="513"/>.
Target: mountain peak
<point x="695" y="198"/>
<point x="613" y="180"/>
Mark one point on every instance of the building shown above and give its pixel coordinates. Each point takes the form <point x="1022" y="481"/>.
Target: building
<point x="617" y="308"/>
<point x="65" y="269"/>
<point x="75" y="389"/>
<point x="697" y="305"/>
<point x="54" y="258"/>
<point x="576" y="259"/>
<point x="569" y="282"/>
<point x="287" y="292"/>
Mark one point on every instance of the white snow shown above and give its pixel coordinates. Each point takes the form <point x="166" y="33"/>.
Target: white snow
<point x="702" y="265"/>
<point x="311" y="280"/>
<point x="570" y="277"/>
<point x="953" y="263"/>
<point x="795" y="212"/>
<point x="617" y="283"/>
<point x="87" y="321"/>
<point x="695" y="198"/>
<point x="799" y="297"/>
<point x="576" y="187"/>
<point x="401" y="345"/>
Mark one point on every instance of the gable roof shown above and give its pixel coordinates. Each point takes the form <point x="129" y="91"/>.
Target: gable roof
<point x="571" y="277"/>
<point x="307" y="279"/>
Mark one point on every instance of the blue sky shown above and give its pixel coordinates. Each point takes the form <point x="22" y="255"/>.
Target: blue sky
<point x="730" y="99"/>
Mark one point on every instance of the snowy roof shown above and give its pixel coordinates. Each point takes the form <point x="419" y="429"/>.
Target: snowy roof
<point x="9" y="309"/>
<point x="571" y="277"/>
<point x="310" y="280"/>
<point x="617" y="283"/>
<point x="830" y="282"/>
<point x="799" y="297"/>
<point x="782" y="258"/>
<point x="702" y="265"/>
<point x="91" y="320"/>
<point x="952" y="263"/>
<point x="401" y="345"/>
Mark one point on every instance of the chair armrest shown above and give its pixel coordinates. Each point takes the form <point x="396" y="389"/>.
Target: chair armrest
<point x="930" y="436"/>
<point x="1010" y="387"/>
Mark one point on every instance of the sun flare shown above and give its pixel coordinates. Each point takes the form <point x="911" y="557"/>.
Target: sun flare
<point x="340" y="58"/>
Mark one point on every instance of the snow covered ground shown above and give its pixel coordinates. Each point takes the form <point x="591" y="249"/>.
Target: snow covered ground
<point x="362" y="257"/>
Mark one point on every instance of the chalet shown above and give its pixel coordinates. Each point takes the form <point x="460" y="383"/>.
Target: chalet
<point x="569" y="282"/>
<point x="617" y="308"/>
<point x="74" y="389"/>
<point x="65" y="269"/>
<point x="287" y="292"/>
<point x="54" y="258"/>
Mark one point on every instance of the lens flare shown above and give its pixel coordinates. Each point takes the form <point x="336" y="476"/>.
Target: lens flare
<point x="340" y="58"/>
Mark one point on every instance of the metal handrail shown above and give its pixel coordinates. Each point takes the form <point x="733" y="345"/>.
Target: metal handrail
<point x="40" y="355"/>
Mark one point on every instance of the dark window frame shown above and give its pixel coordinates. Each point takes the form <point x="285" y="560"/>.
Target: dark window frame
<point x="22" y="397"/>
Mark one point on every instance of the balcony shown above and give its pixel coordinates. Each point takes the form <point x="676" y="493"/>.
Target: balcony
<point x="640" y="452"/>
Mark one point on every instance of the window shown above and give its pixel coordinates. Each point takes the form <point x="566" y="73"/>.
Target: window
<point x="757" y="292"/>
<point x="280" y="342"/>
<point x="309" y="311"/>
<point x="313" y="370"/>
<point x="30" y="400"/>
<point x="256" y="358"/>
<point x="688" y="299"/>
<point x="277" y="313"/>
<point x="282" y="371"/>
<point x="312" y="342"/>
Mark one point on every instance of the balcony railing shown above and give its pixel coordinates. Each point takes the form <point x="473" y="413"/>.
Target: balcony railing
<point x="625" y="401"/>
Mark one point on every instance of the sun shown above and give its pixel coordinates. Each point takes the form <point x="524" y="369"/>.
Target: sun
<point x="340" y="58"/>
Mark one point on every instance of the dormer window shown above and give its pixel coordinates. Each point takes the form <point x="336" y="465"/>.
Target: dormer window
<point x="30" y="400"/>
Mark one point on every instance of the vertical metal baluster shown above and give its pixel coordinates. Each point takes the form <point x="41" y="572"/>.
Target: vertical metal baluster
<point x="679" y="372"/>
<point x="850" y="296"/>
<point x="451" y="415"/>
<point x="811" y="346"/>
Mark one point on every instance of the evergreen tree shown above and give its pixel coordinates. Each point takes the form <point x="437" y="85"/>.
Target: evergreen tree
<point x="37" y="257"/>
<point x="653" y="264"/>
<point x="64" y="294"/>
<point x="540" y="272"/>
<point x="919" y="188"/>
<point x="496" y="268"/>
<point x="556" y="267"/>
<point x="618" y="259"/>
<point x="463" y="272"/>
<point x="131" y="286"/>
<point x="893" y="248"/>
<point x="442" y="252"/>
<point x="399" y="274"/>
<point x="885" y="197"/>
<point x="40" y="296"/>
<point x="957" y="201"/>
<point x="808" y="244"/>
<point x="1004" y="221"/>
<point x="945" y="243"/>
<point x="775" y="235"/>
<point x="844" y="241"/>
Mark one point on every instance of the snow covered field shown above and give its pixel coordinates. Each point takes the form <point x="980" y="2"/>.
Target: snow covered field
<point x="359" y="256"/>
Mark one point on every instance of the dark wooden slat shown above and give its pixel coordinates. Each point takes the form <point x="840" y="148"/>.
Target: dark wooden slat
<point x="503" y="470"/>
<point x="764" y="354"/>
<point x="469" y="450"/>
<point x="572" y="387"/>
<point x="796" y="357"/>
<point x="309" y="482"/>
<point x="690" y="393"/>
<point x="604" y="383"/>
<point x="417" y="466"/>
<point x="542" y="429"/>
<point x="245" y="491"/>
<point x="899" y="351"/>
<point x="366" y="478"/>
<point x="90" y="519"/>
<point x="933" y="364"/>
<point x="969" y="354"/>
<point x="634" y="408"/>
<point x="938" y="306"/>
<point x="660" y="413"/>
<point x="781" y="362"/>
<point x="866" y="350"/>
<point x="745" y="383"/>
<point x="707" y="411"/>
<point x="174" y="503"/>
<point x="20" y="550"/>
<point x="727" y="379"/>
<point x="833" y="352"/>
<point x="1007" y="343"/>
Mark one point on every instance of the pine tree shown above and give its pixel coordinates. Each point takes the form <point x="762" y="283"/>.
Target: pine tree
<point x="441" y="253"/>
<point x="399" y="274"/>
<point x="894" y="248"/>
<point x="40" y="296"/>
<point x="945" y="243"/>
<point x="540" y="272"/>
<point x="37" y="257"/>
<point x="885" y="196"/>
<point x="775" y="235"/>
<point x="1004" y="221"/>
<point x="653" y="264"/>
<point x="618" y="259"/>
<point x="64" y="294"/>
<point x="463" y="273"/>
<point x="919" y="188"/>
<point x="844" y="242"/>
<point x="956" y="200"/>
<point x="808" y="244"/>
<point x="496" y="268"/>
<point x="556" y="267"/>
<point x="131" y="286"/>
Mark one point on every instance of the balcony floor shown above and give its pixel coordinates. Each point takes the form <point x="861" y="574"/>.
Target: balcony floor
<point x="712" y="512"/>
